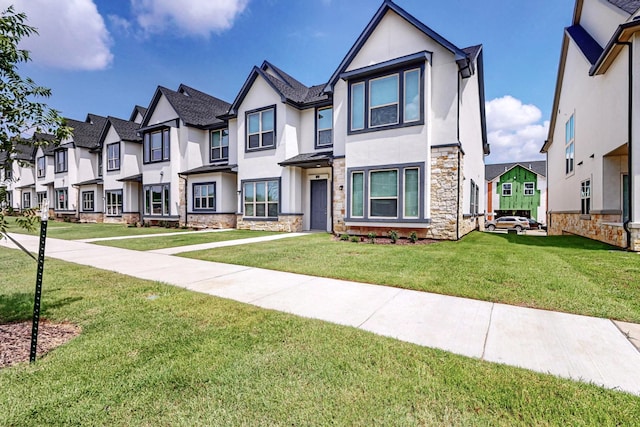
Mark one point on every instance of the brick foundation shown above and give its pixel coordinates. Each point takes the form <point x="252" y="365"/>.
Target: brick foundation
<point x="285" y="223"/>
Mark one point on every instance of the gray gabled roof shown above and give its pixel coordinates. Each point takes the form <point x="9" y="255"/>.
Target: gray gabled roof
<point x="86" y="134"/>
<point x="193" y="107"/>
<point x="492" y="171"/>
<point x="24" y="151"/>
<point x="46" y="142"/>
<point x="126" y="129"/>
<point x="629" y="6"/>
<point x="137" y="110"/>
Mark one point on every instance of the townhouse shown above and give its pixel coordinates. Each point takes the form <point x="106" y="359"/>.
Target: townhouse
<point x="592" y="151"/>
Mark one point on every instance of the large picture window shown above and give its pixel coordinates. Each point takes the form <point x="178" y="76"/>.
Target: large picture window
<point x="261" y="128"/>
<point x="261" y="199"/>
<point x="60" y="157"/>
<point x="156" y="200"/>
<point x="324" y="126"/>
<point x="41" y="166"/>
<point x="219" y="145"/>
<point x="113" y="156"/>
<point x="204" y="196"/>
<point x="156" y="146"/>
<point x="113" y="202"/>
<point x="62" y="199"/>
<point x="569" y="150"/>
<point x="386" y="193"/>
<point x="389" y="100"/>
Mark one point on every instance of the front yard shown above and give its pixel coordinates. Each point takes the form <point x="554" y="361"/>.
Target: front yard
<point x="152" y="354"/>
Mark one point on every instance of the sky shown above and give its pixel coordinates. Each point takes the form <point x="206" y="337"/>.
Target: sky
<point x="106" y="56"/>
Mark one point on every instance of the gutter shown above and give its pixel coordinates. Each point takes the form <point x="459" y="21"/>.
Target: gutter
<point x="629" y="46"/>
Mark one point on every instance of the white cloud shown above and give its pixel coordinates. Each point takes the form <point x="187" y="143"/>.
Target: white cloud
<point x="190" y="17"/>
<point x="514" y="130"/>
<point x="72" y="34"/>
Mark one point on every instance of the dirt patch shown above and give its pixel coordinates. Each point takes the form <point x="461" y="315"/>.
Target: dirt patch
<point x="15" y="339"/>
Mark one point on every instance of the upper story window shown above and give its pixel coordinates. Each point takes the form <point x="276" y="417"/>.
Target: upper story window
<point x="529" y="188"/>
<point x="391" y="100"/>
<point x="324" y="126"/>
<point x="60" y="161"/>
<point x="100" y="163"/>
<point x="219" y="145"/>
<point x="569" y="150"/>
<point x="41" y="166"/>
<point x="261" y="132"/>
<point x="156" y="146"/>
<point x="506" y="189"/>
<point x="8" y="173"/>
<point x="113" y="156"/>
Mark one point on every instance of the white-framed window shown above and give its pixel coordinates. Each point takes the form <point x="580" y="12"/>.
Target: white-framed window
<point x="41" y="195"/>
<point x="324" y="126"/>
<point x="204" y="196"/>
<point x="474" y="198"/>
<point x="393" y="192"/>
<point x="26" y="200"/>
<point x="585" y="197"/>
<point x="99" y="163"/>
<point x="41" y="166"/>
<point x="60" y="157"/>
<point x="529" y="188"/>
<point x="113" y="202"/>
<point x="156" y="146"/>
<point x="156" y="199"/>
<point x="569" y="150"/>
<point x="113" y="156"/>
<point x="261" y="199"/>
<point x="506" y="189"/>
<point x="389" y="100"/>
<point x="219" y="144"/>
<point x="88" y="204"/>
<point x="62" y="199"/>
<point x="261" y="132"/>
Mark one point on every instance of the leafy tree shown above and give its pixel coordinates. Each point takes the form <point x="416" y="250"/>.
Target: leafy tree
<point x="20" y="110"/>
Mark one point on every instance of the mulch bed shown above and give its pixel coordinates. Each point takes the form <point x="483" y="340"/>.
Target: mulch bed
<point x="387" y="241"/>
<point x="15" y="339"/>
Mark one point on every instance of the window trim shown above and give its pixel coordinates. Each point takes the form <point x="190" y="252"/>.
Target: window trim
<point x="502" y="189"/>
<point x="585" y="197"/>
<point x="401" y="187"/>
<point x="115" y="159"/>
<point x="40" y="196"/>
<point x="222" y="158"/>
<point x="84" y="201"/>
<point x="108" y="205"/>
<point x="401" y="71"/>
<point x="260" y="111"/>
<point x="277" y="180"/>
<point x="28" y="196"/>
<point x="193" y="197"/>
<point x="533" y="189"/>
<point x="318" y="129"/>
<point x="66" y="199"/>
<point x="165" y="145"/>
<point x="164" y="202"/>
<point x="41" y="172"/>
<point x="569" y="146"/>
<point x="56" y="163"/>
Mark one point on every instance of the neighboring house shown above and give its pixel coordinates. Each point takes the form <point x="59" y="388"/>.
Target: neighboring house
<point x="593" y="147"/>
<point x="44" y="169"/>
<point x="517" y="189"/>
<point x="17" y="177"/>
<point x="394" y="140"/>
<point x="188" y="169"/>
<point x="120" y="169"/>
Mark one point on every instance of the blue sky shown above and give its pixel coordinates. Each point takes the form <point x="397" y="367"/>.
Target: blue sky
<point x="105" y="56"/>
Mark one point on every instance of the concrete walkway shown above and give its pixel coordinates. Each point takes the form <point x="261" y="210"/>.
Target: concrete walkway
<point x="223" y="244"/>
<point x="578" y="347"/>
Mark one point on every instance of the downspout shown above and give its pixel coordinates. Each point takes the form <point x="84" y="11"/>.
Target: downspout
<point x="459" y="148"/>
<point x="630" y="145"/>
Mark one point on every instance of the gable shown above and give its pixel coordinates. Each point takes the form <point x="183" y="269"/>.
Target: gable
<point x="161" y="112"/>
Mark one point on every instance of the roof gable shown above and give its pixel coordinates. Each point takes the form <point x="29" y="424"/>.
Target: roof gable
<point x="127" y="130"/>
<point x="539" y="167"/>
<point x="629" y="6"/>
<point x="86" y="134"/>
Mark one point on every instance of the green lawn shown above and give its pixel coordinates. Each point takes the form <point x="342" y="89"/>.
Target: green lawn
<point x="185" y="359"/>
<point x="75" y="231"/>
<point x="149" y="243"/>
<point x="562" y="273"/>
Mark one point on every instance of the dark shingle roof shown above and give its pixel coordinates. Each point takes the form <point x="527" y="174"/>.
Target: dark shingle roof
<point x="587" y="44"/>
<point x="629" y="6"/>
<point x="87" y="134"/>
<point x="127" y="130"/>
<point x="210" y="169"/>
<point x="89" y="182"/>
<point x="24" y="151"/>
<point x="472" y="51"/>
<point x="309" y="159"/>
<point x="195" y="108"/>
<point x="292" y="89"/>
<point x="492" y="171"/>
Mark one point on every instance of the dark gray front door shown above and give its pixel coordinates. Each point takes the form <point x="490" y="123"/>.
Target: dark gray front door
<point x="319" y="204"/>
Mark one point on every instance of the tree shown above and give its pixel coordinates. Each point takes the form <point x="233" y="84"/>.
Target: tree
<point x="20" y="110"/>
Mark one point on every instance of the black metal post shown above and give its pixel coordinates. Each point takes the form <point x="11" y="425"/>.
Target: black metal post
<point x="36" y="303"/>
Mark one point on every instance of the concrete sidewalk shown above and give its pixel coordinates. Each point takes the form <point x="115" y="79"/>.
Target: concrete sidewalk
<point x="578" y="347"/>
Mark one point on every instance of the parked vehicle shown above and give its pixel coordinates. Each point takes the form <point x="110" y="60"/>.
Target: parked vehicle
<point x="535" y="225"/>
<point x="508" y="222"/>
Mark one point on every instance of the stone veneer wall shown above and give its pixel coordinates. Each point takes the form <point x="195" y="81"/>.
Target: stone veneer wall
<point x="339" y="208"/>
<point x="285" y="223"/>
<point x="595" y="226"/>
<point x="444" y="191"/>
<point x="212" y="220"/>
<point x="182" y="207"/>
<point x="126" y="218"/>
<point x="90" y="217"/>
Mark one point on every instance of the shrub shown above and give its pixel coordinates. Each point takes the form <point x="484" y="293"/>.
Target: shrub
<point x="372" y="237"/>
<point x="344" y="237"/>
<point x="355" y="239"/>
<point x="413" y="237"/>
<point x="393" y="235"/>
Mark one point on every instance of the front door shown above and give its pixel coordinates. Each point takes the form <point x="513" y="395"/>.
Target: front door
<point x="319" y="204"/>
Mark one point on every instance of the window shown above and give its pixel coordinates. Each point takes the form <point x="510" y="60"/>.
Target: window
<point x="389" y="100"/>
<point x="390" y="193"/>
<point x="156" y="146"/>
<point x="219" y="145"/>
<point x="529" y="188"/>
<point x="41" y="195"/>
<point x="62" y="202"/>
<point x="585" y="197"/>
<point x="261" y="199"/>
<point x="113" y="202"/>
<point x="113" y="156"/>
<point x="324" y="126"/>
<point x="156" y="200"/>
<point x="261" y="129"/>
<point x="506" y="189"/>
<point x="475" y="194"/>
<point x="8" y="173"/>
<point x="87" y="201"/>
<point x="26" y="200"/>
<point x="8" y="196"/>
<point x="41" y="166"/>
<point x="569" y="151"/>
<point x="204" y="196"/>
<point x="60" y="161"/>
<point x="100" y="163"/>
